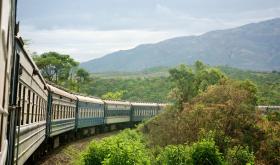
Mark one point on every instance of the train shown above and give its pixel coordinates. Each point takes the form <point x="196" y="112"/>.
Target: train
<point x="37" y="116"/>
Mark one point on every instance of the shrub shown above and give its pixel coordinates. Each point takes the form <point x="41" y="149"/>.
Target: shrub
<point x="240" y="155"/>
<point x="205" y="152"/>
<point x="174" y="155"/>
<point x="125" y="148"/>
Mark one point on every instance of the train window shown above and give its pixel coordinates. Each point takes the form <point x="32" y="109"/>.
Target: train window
<point x="22" y="91"/>
<point x="41" y="110"/>
<point x="85" y="113"/>
<point x="61" y="111"/>
<point x="72" y="111"/>
<point x="57" y="112"/>
<point x="32" y="107"/>
<point x="26" y="109"/>
<point x="36" y="108"/>
<point x="67" y="112"/>
<point x="44" y="110"/>
<point x="52" y="111"/>
<point x="19" y="100"/>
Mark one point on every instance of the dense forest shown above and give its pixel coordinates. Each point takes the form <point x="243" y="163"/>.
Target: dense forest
<point x="154" y="85"/>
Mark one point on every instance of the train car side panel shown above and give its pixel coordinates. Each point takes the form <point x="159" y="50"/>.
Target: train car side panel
<point x="63" y="108"/>
<point x="32" y="100"/>
<point x="90" y="112"/>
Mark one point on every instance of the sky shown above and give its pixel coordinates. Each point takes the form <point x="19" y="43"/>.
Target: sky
<point x="89" y="29"/>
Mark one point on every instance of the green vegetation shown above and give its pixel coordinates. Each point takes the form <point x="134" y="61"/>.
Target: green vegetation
<point x="151" y="85"/>
<point x="155" y="85"/>
<point x="213" y="121"/>
<point x="62" y="70"/>
<point x="126" y="148"/>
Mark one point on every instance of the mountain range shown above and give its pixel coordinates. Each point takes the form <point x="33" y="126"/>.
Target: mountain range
<point x="254" y="46"/>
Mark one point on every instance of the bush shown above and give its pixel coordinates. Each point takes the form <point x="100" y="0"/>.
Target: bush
<point x="240" y="155"/>
<point x="174" y="155"/>
<point x="125" y="148"/>
<point x="205" y="152"/>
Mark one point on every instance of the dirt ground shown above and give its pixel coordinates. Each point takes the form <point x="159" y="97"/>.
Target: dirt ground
<point x="67" y="154"/>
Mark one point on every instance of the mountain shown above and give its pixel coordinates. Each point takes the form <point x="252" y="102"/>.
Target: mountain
<point x="253" y="46"/>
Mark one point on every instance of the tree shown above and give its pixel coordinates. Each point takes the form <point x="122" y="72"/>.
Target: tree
<point x="183" y="85"/>
<point x="54" y="66"/>
<point x="118" y="95"/>
<point x="188" y="83"/>
<point x="82" y="77"/>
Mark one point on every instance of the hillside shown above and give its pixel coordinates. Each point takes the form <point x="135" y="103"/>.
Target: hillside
<point x="254" y="46"/>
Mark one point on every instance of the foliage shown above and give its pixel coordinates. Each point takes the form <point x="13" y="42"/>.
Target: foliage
<point x="152" y="89"/>
<point x="113" y="95"/>
<point x="240" y="155"/>
<point x="268" y="83"/>
<point x="188" y="83"/>
<point x="273" y="116"/>
<point x="154" y="85"/>
<point x="205" y="152"/>
<point x="126" y="148"/>
<point x="62" y="70"/>
<point x="175" y="155"/>
<point x="55" y="66"/>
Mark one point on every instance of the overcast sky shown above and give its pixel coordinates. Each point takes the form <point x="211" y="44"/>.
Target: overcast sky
<point x="88" y="29"/>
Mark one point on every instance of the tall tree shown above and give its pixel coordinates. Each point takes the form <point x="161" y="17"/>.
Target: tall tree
<point x="54" y="66"/>
<point x="188" y="83"/>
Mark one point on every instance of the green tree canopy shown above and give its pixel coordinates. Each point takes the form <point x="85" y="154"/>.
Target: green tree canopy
<point x="187" y="83"/>
<point x="55" y="66"/>
<point x="118" y="95"/>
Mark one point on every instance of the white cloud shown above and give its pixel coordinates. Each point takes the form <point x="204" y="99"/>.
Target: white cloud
<point x="84" y="45"/>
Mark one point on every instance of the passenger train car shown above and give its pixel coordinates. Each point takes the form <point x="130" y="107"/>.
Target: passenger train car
<point x="36" y="116"/>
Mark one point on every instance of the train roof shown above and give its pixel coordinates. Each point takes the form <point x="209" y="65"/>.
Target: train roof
<point x="117" y="102"/>
<point x="269" y="106"/>
<point x="143" y="104"/>
<point x="61" y="92"/>
<point x="89" y="99"/>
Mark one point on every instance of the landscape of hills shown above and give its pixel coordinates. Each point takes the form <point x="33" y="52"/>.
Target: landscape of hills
<point x="253" y="46"/>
